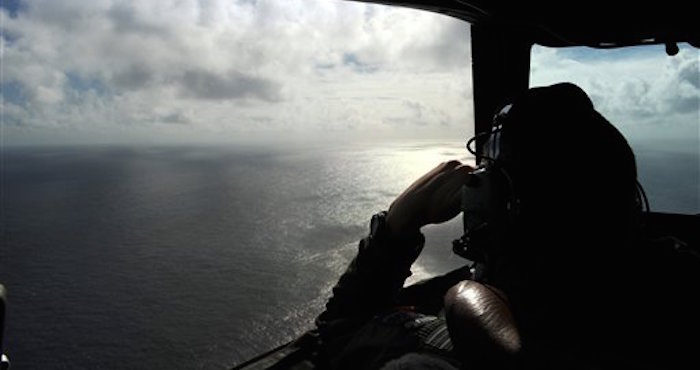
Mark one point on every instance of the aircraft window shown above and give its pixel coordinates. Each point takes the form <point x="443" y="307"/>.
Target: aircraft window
<point x="182" y="182"/>
<point x="653" y="99"/>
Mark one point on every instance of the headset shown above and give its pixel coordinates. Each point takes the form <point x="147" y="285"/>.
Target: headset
<point x="491" y="203"/>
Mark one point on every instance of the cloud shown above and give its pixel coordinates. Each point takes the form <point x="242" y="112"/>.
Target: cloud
<point x="133" y="77"/>
<point x="688" y="72"/>
<point x="418" y="114"/>
<point x="232" y="85"/>
<point x="177" y="117"/>
<point x="685" y="86"/>
<point x="272" y="68"/>
<point x="407" y="40"/>
<point x="126" y="18"/>
<point x="638" y="86"/>
<point x="227" y="68"/>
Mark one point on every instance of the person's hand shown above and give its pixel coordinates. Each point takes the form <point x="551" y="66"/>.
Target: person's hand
<point x="434" y="198"/>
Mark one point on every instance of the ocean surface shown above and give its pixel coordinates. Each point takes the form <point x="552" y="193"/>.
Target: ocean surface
<point x="203" y="257"/>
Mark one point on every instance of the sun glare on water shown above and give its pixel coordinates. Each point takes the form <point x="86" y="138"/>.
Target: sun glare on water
<point x="411" y="162"/>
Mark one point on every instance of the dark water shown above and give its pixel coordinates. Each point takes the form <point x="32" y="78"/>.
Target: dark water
<point x="200" y="258"/>
<point x="671" y="177"/>
<point x="196" y="258"/>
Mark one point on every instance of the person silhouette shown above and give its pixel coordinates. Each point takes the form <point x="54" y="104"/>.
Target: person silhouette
<point x="552" y="214"/>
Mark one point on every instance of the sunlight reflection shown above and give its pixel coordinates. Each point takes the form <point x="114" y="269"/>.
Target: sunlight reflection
<point x="411" y="162"/>
<point x="419" y="273"/>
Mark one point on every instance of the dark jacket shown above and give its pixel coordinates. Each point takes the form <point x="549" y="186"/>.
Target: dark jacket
<point x="373" y="322"/>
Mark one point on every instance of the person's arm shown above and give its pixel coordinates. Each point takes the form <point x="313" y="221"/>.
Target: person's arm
<point x="376" y="275"/>
<point x="373" y="279"/>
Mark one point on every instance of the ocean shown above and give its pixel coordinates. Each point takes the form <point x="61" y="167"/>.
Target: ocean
<point x="187" y="257"/>
<point x="202" y="257"/>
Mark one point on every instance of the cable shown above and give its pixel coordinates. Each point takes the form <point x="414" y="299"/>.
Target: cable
<point x="643" y="196"/>
<point x="472" y="141"/>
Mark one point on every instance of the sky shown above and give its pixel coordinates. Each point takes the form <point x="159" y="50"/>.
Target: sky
<point x="107" y="71"/>
<point x="643" y="91"/>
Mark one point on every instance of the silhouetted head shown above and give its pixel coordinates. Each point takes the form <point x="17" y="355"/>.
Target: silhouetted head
<point x="571" y="173"/>
<point x="572" y="177"/>
<point x="567" y="157"/>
